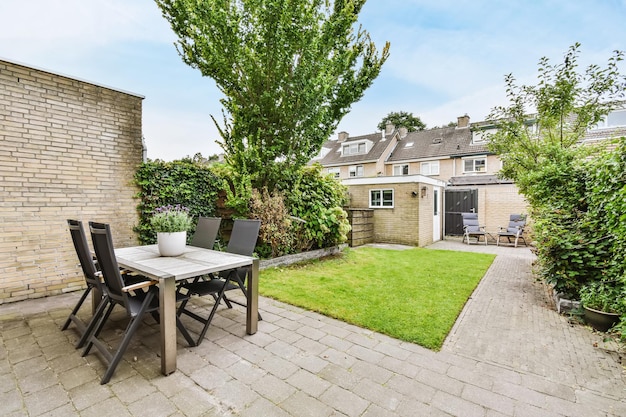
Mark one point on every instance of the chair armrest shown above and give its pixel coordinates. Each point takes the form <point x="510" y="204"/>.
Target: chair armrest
<point x="138" y="285"/>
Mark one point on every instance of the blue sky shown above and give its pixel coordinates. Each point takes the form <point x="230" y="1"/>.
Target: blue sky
<point x="448" y="58"/>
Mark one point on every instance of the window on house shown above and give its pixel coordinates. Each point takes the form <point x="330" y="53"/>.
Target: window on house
<point x="429" y="168"/>
<point x="475" y="164"/>
<point x="381" y="198"/>
<point x="354" y="149"/>
<point x="401" y="169"/>
<point x="356" y="171"/>
<point x="616" y="118"/>
<point x="335" y="172"/>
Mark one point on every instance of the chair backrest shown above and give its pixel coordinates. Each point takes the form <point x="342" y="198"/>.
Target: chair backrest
<point x="243" y="237"/>
<point x="206" y="232"/>
<point x="470" y="222"/>
<point x="516" y="222"/>
<point x="84" y="254"/>
<point x="103" y="246"/>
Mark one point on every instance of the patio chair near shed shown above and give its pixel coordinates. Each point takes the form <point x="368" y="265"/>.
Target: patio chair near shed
<point x="472" y="228"/>
<point x="514" y="230"/>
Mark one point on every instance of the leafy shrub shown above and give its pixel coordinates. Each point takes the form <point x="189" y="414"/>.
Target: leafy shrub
<point x="317" y="199"/>
<point x="276" y="234"/>
<point x="603" y="296"/>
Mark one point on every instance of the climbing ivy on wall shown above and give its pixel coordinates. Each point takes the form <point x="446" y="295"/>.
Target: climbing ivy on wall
<point x="185" y="182"/>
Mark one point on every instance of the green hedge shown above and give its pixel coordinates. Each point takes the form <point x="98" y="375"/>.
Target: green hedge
<point x="184" y="182"/>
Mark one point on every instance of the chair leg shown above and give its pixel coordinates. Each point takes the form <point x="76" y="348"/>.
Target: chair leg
<point x="132" y="327"/>
<point x="77" y="307"/>
<point x="93" y="322"/>
<point x="97" y="330"/>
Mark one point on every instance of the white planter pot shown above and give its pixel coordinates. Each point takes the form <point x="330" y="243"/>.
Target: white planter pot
<point x="171" y="244"/>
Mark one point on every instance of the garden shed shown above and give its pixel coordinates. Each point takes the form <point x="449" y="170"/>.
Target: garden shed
<point x="405" y="209"/>
<point x="70" y="149"/>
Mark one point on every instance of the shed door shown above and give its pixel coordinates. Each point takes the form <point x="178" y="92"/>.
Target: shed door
<point x="457" y="202"/>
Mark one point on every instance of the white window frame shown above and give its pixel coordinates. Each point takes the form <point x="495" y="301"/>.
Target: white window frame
<point x="355" y="148"/>
<point x="381" y="202"/>
<point x="474" y="159"/>
<point x="400" y="169"/>
<point x="429" y="168"/>
<point x="606" y="122"/>
<point x="335" y="172"/>
<point x="355" y="171"/>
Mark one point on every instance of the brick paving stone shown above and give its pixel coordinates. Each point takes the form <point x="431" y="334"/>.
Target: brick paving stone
<point x="301" y="404"/>
<point x="311" y="384"/>
<point x="274" y="389"/>
<point x="344" y="401"/>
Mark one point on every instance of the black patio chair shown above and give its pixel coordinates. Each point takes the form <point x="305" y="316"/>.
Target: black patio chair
<point x="206" y="232"/>
<point x="472" y="228"/>
<point x="138" y="299"/>
<point x="514" y="230"/>
<point x="92" y="281"/>
<point x="242" y="242"/>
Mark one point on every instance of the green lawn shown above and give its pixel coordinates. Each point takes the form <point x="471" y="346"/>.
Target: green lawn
<point x="413" y="295"/>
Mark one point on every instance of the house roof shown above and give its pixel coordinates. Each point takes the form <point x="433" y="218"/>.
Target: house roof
<point x="436" y="143"/>
<point x="334" y="155"/>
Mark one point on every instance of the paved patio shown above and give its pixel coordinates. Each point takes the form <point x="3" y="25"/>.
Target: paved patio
<point x="509" y="354"/>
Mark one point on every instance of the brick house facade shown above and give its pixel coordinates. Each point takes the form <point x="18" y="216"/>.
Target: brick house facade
<point x="70" y="149"/>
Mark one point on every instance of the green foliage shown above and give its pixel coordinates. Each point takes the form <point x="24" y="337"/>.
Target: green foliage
<point x="289" y="72"/>
<point x="402" y="119"/>
<point x="420" y="307"/>
<point x="603" y="296"/>
<point x="318" y="200"/>
<point x="276" y="233"/>
<point x="171" y="219"/>
<point x="169" y="183"/>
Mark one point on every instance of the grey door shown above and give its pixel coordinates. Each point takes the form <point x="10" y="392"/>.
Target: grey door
<point x="457" y="202"/>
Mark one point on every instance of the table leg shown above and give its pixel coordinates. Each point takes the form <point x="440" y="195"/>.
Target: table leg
<point x="167" y="311"/>
<point x="252" y="311"/>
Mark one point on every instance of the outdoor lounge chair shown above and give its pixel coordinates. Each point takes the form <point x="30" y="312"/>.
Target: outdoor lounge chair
<point x="515" y="229"/>
<point x="138" y="299"/>
<point x="471" y="228"/>
<point x="242" y="242"/>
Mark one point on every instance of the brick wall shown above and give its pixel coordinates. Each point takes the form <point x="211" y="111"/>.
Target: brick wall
<point x="402" y="224"/>
<point x="69" y="149"/>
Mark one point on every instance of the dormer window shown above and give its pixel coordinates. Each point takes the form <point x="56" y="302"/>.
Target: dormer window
<point x="356" y="148"/>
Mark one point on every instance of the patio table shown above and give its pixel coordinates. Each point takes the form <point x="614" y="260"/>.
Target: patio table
<point x="194" y="262"/>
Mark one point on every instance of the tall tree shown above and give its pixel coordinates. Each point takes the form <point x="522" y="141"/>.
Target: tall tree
<point x="289" y="71"/>
<point x="402" y="119"/>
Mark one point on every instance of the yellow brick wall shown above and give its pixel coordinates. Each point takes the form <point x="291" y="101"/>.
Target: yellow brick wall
<point x="409" y="222"/>
<point x="69" y="149"/>
<point x="497" y="202"/>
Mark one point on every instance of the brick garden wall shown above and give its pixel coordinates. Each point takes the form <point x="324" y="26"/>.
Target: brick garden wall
<point x="69" y="149"/>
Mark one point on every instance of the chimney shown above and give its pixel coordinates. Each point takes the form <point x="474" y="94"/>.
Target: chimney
<point x="342" y="136"/>
<point x="463" y="121"/>
<point x="403" y="131"/>
<point x="389" y="128"/>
